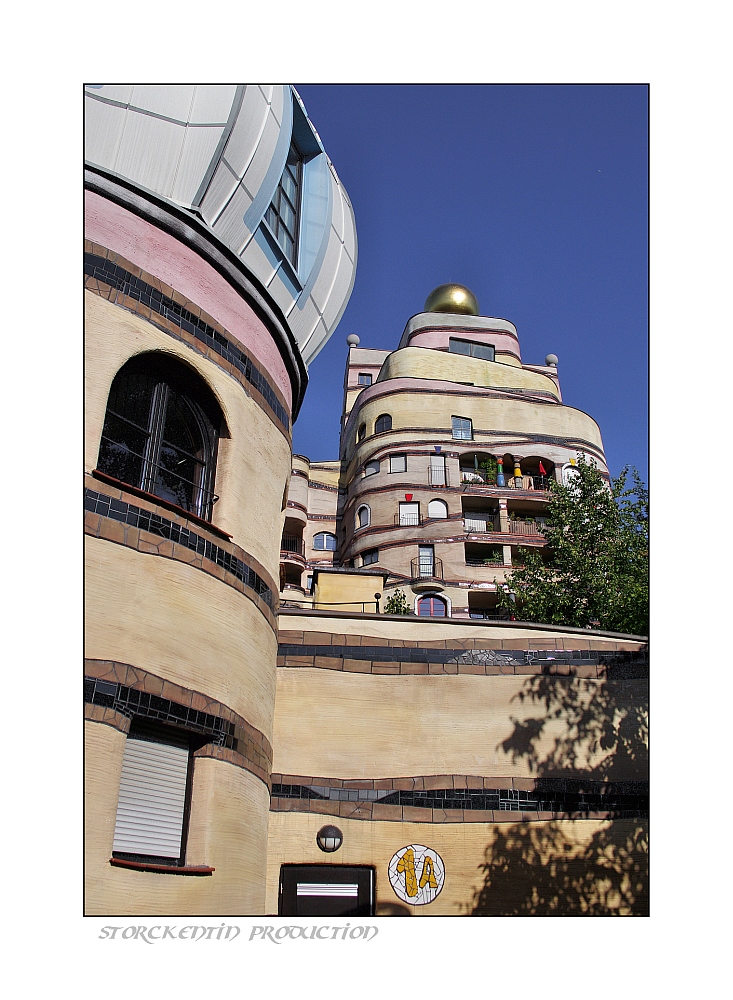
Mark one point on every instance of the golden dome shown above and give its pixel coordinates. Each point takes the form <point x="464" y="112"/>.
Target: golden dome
<point x="452" y="299"/>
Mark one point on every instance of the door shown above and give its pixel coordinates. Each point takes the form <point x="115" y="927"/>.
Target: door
<point x="437" y="470"/>
<point x="426" y="555"/>
<point x="326" y="891"/>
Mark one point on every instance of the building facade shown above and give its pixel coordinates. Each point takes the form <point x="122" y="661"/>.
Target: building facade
<point x="260" y="737"/>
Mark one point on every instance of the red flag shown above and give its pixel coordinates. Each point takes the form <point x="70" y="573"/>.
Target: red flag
<point x="542" y="470"/>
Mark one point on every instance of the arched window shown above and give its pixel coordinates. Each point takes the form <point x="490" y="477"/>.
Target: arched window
<point x="325" y="540"/>
<point x="384" y="423"/>
<point x="431" y="606"/>
<point x="161" y="431"/>
<point x="371" y="468"/>
<point x="363" y="517"/>
<point x="361" y="433"/>
<point x="437" y="508"/>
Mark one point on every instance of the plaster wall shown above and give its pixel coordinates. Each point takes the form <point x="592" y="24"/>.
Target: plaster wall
<point x="180" y="266"/>
<point x="180" y="623"/>
<point x="541" y="851"/>
<point x="353" y="725"/>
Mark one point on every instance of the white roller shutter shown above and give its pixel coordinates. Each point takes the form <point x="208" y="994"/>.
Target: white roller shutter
<point x="437" y="470"/>
<point x="152" y="799"/>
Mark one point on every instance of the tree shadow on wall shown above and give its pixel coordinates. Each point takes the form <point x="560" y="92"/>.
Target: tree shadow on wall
<point x="584" y="738"/>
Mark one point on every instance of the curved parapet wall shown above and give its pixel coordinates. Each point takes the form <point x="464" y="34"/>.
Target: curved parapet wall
<point x="218" y="153"/>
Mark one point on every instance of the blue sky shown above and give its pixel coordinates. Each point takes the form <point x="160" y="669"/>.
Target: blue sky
<point x="533" y="196"/>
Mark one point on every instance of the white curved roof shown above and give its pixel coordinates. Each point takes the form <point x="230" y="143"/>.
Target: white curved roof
<point x="220" y="150"/>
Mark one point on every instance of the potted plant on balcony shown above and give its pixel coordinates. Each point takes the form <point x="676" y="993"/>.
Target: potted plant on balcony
<point x="490" y="468"/>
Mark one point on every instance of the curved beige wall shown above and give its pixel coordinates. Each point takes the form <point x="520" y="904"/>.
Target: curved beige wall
<point x="229" y="813"/>
<point x="423" y="363"/>
<point x="180" y="623"/>
<point x="466" y="847"/>
<point x="255" y="452"/>
<point x="338" y="724"/>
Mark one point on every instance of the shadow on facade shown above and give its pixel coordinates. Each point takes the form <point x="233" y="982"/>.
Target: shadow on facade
<point x="591" y="737"/>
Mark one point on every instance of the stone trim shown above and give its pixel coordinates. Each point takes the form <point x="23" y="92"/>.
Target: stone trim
<point x="170" y="311"/>
<point x="440" y="658"/>
<point x="171" y="536"/>
<point x="233" y="739"/>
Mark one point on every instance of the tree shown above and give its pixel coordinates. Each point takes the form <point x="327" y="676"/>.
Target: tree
<point x="397" y="604"/>
<point x="594" y="569"/>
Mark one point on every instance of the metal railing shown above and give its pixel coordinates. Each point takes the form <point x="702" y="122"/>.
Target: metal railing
<point x="438" y="476"/>
<point x="407" y="520"/>
<point x="486" y="561"/>
<point x="426" y="569"/>
<point x="291" y="543"/>
<point x="481" y="522"/>
<point x="478" y="477"/>
<point x="517" y="527"/>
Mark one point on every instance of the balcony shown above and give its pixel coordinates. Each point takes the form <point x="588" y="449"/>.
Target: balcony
<point x="478" y="477"/>
<point x="480" y="522"/>
<point x="527" y="527"/>
<point x="438" y="476"/>
<point x="291" y="546"/>
<point x="486" y="561"/>
<point x="407" y="520"/>
<point x="426" y="569"/>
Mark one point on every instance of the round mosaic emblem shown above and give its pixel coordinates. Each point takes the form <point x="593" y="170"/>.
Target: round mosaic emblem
<point x="416" y="874"/>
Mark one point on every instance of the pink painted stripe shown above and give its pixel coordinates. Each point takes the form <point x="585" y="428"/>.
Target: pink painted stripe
<point x="180" y="267"/>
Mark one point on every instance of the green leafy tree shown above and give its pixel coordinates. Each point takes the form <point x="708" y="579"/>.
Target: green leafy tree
<point x="396" y="604"/>
<point x="595" y="567"/>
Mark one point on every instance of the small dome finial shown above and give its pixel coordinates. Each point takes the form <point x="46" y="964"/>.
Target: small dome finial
<point x="452" y="298"/>
<point x="551" y="360"/>
<point x="352" y="340"/>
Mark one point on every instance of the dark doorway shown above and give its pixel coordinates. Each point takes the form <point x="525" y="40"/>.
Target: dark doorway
<point x="326" y="891"/>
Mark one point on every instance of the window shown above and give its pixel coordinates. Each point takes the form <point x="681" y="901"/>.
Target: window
<point x="437" y="508"/>
<point x="398" y="463"/>
<point x="431" y="606"/>
<point x="161" y="432"/>
<point x="152" y="801"/>
<point x="472" y="349"/>
<point x="284" y="211"/>
<point x="409" y="514"/>
<point x="361" y="433"/>
<point x="309" y="583"/>
<point x="462" y="428"/>
<point x="363" y="517"/>
<point x="324" y="540"/>
<point x="372" y="556"/>
<point x="371" y="468"/>
<point x="365" y="378"/>
<point x="436" y="471"/>
<point x="426" y="560"/>
<point x="384" y="423"/>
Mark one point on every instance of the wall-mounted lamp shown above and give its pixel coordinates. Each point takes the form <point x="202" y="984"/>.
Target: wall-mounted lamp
<point x="329" y="839"/>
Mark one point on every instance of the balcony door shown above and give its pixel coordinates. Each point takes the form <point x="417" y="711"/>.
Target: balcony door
<point x="426" y="560"/>
<point x="437" y="470"/>
<point x="409" y="514"/>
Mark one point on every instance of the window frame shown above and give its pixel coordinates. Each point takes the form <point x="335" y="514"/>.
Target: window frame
<point x="372" y="472"/>
<point x="464" y="420"/>
<point x="380" y="420"/>
<point x="433" y="598"/>
<point x="398" y="455"/>
<point x="365" y="375"/>
<point x="361" y="433"/>
<point x="471" y="345"/>
<point x="173" y="384"/>
<point x="273" y="216"/>
<point x="325" y="535"/>
<point x="403" y="512"/>
<point x="370" y="557"/>
<point x="444" y="505"/>
<point x="359" y="509"/>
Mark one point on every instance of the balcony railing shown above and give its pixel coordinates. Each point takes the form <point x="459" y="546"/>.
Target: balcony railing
<point x="291" y="543"/>
<point x="478" y="477"/>
<point x="426" y="569"/>
<point x="407" y="520"/>
<point x="437" y="476"/>
<point x="486" y="561"/>
<point x="517" y="527"/>
<point x="481" y="522"/>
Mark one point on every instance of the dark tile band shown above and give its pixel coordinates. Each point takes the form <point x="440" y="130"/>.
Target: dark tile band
<point x="115" y="692"/>
<point x="101" y="269"/>
<point x="145" y="520"/>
